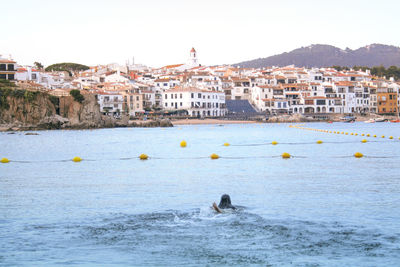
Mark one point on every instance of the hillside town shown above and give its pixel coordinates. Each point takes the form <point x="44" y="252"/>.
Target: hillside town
<point x="192" y="90"/>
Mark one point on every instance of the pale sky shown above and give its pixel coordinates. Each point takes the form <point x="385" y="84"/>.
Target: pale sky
<point x="162" y="32"/>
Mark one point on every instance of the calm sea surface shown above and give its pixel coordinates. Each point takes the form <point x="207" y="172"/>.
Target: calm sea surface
<point x="322" y="207"/>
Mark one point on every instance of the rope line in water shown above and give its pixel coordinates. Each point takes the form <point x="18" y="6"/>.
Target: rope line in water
<point x="339" y="132"/>
<point x="184" y="158"/>
<point x="311" y="143"/>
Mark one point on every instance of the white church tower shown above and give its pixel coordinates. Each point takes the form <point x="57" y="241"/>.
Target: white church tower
<point x="193" y="61"/>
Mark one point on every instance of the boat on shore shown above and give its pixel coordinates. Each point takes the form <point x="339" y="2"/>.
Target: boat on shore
<point x="370" y="121"/>
<point x="348" y="119"/>
<point x="380" y="120"/>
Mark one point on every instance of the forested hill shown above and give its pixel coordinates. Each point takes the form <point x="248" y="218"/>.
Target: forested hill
<point x="326" y="55"/>
<point x="70" y="67"/>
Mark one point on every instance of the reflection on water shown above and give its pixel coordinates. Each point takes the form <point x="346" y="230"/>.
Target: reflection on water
<point x="322" y="207"/>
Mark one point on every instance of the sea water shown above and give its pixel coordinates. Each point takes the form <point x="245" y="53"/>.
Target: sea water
<point x="321" y="207"/>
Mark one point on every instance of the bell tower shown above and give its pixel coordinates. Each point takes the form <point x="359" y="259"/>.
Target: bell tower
<point x="193" y="61"/>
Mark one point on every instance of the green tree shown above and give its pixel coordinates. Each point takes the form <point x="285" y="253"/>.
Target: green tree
<point x="38" y="65"/>
<point x="76" y="94"/>
<point x="70" y="67"/>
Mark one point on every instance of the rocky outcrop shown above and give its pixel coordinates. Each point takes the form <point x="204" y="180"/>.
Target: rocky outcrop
<point x="23" y="110"/>
<point x="42" y="111"/>
<point x="290" y="118"/>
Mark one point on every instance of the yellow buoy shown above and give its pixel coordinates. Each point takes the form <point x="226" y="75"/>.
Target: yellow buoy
<point x="76" y="159"/>
<point x="383" y="136"/>
<point x="286" y="155"/>
<point x="368" y="135"/>
<point x="227" y="144"/>
<point x="358" y="155"/>
<point x="363" y="141"/>
<point x="143" y="157"/>
<point x="183" y="143"/>
<point x="374" y="135"/>
<point x="362" y="134"/>
<point x="390" y="137"/>
<point x="346" y="133"/>
<point x="351" y="133"/>
<point x="274" y="143"/>
<point x="4" y="160"/>
<point x="214" y="156"/>
<point x="356" y="134"/>
<point x="319" y="142"/>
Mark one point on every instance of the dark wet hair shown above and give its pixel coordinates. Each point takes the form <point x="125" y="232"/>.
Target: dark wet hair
<point x="225" y="202"/>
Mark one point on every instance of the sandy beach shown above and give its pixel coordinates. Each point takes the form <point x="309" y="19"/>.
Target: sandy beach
<point x="207" y="121"/>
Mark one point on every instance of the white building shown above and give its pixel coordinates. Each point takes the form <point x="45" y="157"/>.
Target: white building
<point x="193" y="61"/>
<point x="195" y="101"/>
<point x="7" y="68"/>
<point x="110" y="103"/>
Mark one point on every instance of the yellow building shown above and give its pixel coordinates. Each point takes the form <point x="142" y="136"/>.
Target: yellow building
<point x="387" y="101"/>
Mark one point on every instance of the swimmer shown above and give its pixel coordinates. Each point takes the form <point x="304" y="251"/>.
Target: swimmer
<point x="225" y="203"/>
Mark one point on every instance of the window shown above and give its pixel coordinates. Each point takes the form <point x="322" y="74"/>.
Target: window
<point x="166" y="96"/>
<point x="180" y="96"/>
<point x="34" y="76"/>
<point x="115" y="105"/>
<point x="176" y="96"/>
<point x="192" y="96"/>
<point x="137" y="98"/>
<point x="166" y="104"/>
<point x="11" y="67"/>
<point x="11" y="76"/>
<point x="199" y="95"/>
<point x="137" y="105"/>
<point x="180" y="104"/>
<point x="3" y="67"/>
<point x="165" y="84"/>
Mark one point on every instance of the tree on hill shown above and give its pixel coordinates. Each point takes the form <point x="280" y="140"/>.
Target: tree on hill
<point x="379" y="71"/>
<point x="76" y="94"/>
<point x="38" y="65"/>
<point x="69" y="67"/>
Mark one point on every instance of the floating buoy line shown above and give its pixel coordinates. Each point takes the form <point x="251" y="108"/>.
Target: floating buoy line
<point x="302" y="127"/>
<point x="214" y="156"/>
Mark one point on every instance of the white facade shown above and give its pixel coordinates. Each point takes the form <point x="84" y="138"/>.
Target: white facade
<point x="193" y="61"/>
<point x="110" y="103"/>
<point x="197" y="102"/>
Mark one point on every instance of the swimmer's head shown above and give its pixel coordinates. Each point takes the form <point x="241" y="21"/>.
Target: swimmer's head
<point x="225" y="202"/>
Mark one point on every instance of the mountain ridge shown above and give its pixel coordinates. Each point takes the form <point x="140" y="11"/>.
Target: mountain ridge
<point x="323" y="55"/>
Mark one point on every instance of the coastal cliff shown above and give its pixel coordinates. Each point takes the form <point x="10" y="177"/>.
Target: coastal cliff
<point x="34" y="110"/>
